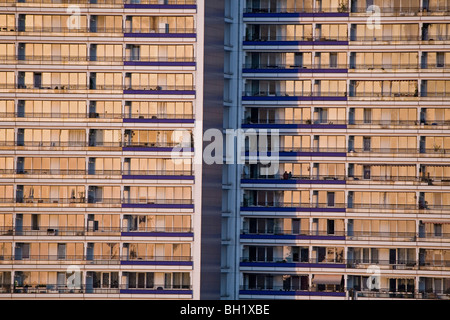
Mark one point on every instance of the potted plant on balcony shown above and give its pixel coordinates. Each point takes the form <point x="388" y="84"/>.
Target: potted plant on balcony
<point x="342" y="7"/>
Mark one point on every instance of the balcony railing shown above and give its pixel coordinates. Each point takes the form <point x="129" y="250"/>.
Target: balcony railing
<point x="407" y="94"/>
<point x="342" y="9"/>
<point x="385" y="293"/>
<point x="350" y="235"/>
<point x="25" y="231"/>
<point x="169" y="2"/>
<point x="400" y="38"/>
<point x="280" y="288"/>
<point x="39" y="200"/>
<point x="40" y="59"/>
<point x="83" y="259"/>
<point x="382" y="293"/>
<point x="160" y="87"/>
<point x="68" y="87"/>
<point x="433" y="151"/>
<point x="78" y="30"/>
<point x="83" y="144"/>
<point x="67" y="144"/>
<point x="94" y="201"/>
<point x="87" y="289"/>
<point x="280" y="231"/>
<point x="159" y="201"/>
<point x="264" y="38"/>
<point x="96" y="3"/>
<point x="282" y="260"/>
<point x="292" y="121"/>
<point x="283" y="66"/>
<point x="82" y="172"/>
<point x="295" y="177"/>
<point x="293" y="94"/>
<point x="401" y="10"/>
<point x="354" y="206"/>
<point x="353" y="179"/>
<point x="406" y="207"/>
<point x="281" y="204"/>
<point x="399" y="264"/>
<point x="303" y="149"/>
<point x="365" y="123"/>
<point x="160" y="30"/>
<point x="96" y="115"/>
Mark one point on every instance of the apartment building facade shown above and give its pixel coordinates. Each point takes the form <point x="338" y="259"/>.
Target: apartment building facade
<point x="96" y="95"/>
<point x="359" y="94"/>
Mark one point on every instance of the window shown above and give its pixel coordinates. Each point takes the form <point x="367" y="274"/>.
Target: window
<point x="437" y="230"/>
<point x="366" y="143"/>
<point x="330" y="199"/>
<point x="333" y="60"/>
<point x="366" y="170"/>
<point x="330" y="227"/>
<point x="440" y="59"/>
<point x="61" y="251"/>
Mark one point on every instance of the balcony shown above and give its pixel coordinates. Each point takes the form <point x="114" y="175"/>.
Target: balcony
<point x="278" y="233"/>
<point x="90" y="289"/>
<point x="159" y="89"/>
<point x="409" y="39"/>
<point x="64" y="202"/>
<point x="95" y="260"/>
<point x="126" y="117"/>
<point x="396" y="152"/>
<point x="280" y="123"/>
<point x="292" y="207"/>
<point x="420" y="208"/>
<point x="160" y="61"/>
<point x="160" y="32"/>
<point x="401" y="11"/>
<point x="274" y="40"/>
<point x="108" y="60"/>
<point x="100" y="32"/>
<point x="289" y="68"/>
<point x="401" y="124"/>
<point x="289" y="262"/>
<point x="294" y="179"/>
<point x="118" y="89"/>
<point x="110" y="146"/>
<point x="64" y="145"/>
<point x="66" y="31"/>
<point x="290" y="290"/>
<point x="385" y="96"/>
<point x="157" y="146"/>
<point x="82" y="231"/>
<point x="268" y="11"/>
<point x="158" y="203"/>
<point x="293" y="96"/>
<point x="64" y="88"/>
<point x="156" y="4"/>
<point x="158" y="174"/>
<point x="407" y="208"/>
<point x="302" y="151"/>
<point x="373" y="67"/>
<point x="344" y="179"/>
<point x="385" y="293"/>
<point x="81" y="173"/>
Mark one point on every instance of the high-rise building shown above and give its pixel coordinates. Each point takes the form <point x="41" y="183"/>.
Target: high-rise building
<point x="94" y="97"/>
<point x="359" y="92"/>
